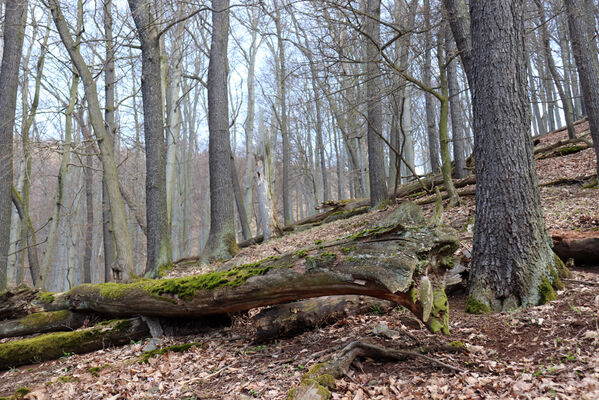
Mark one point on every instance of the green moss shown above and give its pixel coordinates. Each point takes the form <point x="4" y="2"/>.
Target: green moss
<point x="165" y="269"/>
<point x="546" y="292"/>
<point x="95" y="371"/>
<point x="571" y="149"/>
<point x="45" y="297"/>
<point x="346" y="250"/>
<point x="320" y="260"/>
<point x="179" y="348"/>
<point x="44" y="318"/>
<point x="321" y="393"/>
<point x="301" y="253"/>
<point x="440" y="303"/>
<point x="376" y="230"/>
<point x="67" y="379"/>
<point x="21" y="392"/>
<point x="326" y="380"/>
<point x="457" y="344"/>
<point x="562" y="270"/>
<point x="414" y="295"/>
<point x="474" y="306"/>
<point x="591" y="185"/>
<point x="319" y="241"/>
<point x="54" y="345"/>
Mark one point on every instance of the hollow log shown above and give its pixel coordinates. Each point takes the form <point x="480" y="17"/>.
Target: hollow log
<point x="289" y="319"/>
<point x="18" y="302"/>
<point x="51" y="346"/>
<point x="42" y="322"/>
<point x="583" y="247"/>
<point x="400" y="260"/>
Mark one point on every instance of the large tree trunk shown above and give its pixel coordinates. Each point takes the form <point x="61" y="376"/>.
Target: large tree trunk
<point x="433" y="139"/>
<point x="159" y="249"/>
<point x="376" y="155"/>
<point x="512" y="261"/>
<point x="14" y="27"/>
<point x="123" y="269"/>
<point x="221" y="242"/>
<point x="585" y="54"/>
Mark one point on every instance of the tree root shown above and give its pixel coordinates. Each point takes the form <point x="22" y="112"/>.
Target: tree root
<point x="320" y="378"/>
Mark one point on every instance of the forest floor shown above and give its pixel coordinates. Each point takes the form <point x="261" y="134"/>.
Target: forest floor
<point x="544" y="352"/>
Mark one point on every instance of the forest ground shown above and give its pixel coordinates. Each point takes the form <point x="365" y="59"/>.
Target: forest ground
<point x="545" y="352"/>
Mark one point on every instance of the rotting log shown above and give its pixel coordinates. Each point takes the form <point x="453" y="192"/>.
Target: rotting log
<point x="285" y="320"/>
<point x="51" y="346"/>
<point x="583" y="247"/>
<point x="41" y="322"/>
<point x="18" y="302"/>
<point x="402" y="260"/>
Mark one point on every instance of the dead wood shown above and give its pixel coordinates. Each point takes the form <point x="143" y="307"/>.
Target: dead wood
<point x="42" y="322"/>
<point x="583" y="247"/>
<point x="400" y="260"/>
<point x="289" y="319"/>
<point x="51" y="346"/>
<point x="321" y="377"/>
<point x="18" y="302"/>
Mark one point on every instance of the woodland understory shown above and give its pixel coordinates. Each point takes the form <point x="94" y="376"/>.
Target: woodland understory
<point x="549" y="351"/>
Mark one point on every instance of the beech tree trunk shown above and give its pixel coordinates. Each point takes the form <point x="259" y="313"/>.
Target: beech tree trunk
<point x="15" y="16"/>
<point x="221" y="242"/>
<point x="123" y="268"/>
<point x="376" y="155"/>
<point x="159" y="248"/>
<point x="585" y="54"/>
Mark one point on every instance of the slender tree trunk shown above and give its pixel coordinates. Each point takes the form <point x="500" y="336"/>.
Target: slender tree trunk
<point x="60" y="186"/>
<point x="159" y="248"/>
<point x="221" y="242"/>
<point x="109" y="123"/>
<point x="457" y="121"/>
<point x="282" y="94"/>
<point x="433" y="140"/>
<point x="376" y="155"/>
<point x="566" y="101"/>
<point x="585" y="55"/>
<point x="15" y="16"/>
<point x="123" y="269"/>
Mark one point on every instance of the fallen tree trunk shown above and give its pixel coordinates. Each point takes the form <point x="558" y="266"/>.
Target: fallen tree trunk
<point x="391" y="261"/>
<point x="336" y="211"/>
<point x="42" y="322"/>
<point x="289" y="319"/>
<point x="54" y="345"/>
<point x="583" y="247"/>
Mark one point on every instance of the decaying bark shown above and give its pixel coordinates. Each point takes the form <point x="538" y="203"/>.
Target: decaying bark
<point x="583" y="247"/>
<point x="42" y="322"/>
<point x="290" y="319"/>
<point x="402" y="260"/>
<point x="54" y="345"/>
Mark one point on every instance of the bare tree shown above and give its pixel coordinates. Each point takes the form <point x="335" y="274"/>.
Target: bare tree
<point x="14" y="27"/>
<point x="159" y="248"/>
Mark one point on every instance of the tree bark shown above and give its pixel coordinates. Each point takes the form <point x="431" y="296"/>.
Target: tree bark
<point x="221" y="242"/>
<point x="159" y="247"/>
<point x="376" y="155"/>
<point x="585" y="54"/>
<point x="512" y="262"/>
<point x="15" y="16"/>
<point x="457" y="119"/>
<point x="123" y="269"/>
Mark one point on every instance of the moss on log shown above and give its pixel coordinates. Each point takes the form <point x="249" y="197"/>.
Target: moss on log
<point x="41" y="322"/>
<point x="54" y="345"/>
<point x="386" y="261"/>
